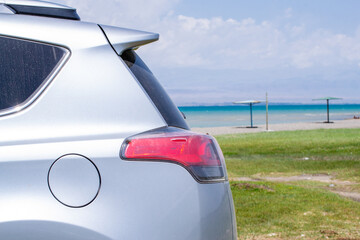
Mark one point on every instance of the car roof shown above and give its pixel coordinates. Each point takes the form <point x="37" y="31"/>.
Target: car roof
<point x="40" y="8"/>
<point x="71" y="34"/>
<point x="64" y="31"/>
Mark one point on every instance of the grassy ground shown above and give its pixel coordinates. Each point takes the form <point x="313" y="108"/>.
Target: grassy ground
<point x="330" y="151"/>
<point x="291" y="210"/>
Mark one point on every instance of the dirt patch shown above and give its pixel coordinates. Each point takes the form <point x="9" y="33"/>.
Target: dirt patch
<point x="245" y="179"/>
<point x="335" y="186"/>
<point x="332" y="234"/>
<point x="318" y="178"/>
<point x="352" y="195"/>
<point x="251" y="186"/>
<point x="329" y="233"/>
<point x="325" y="178"/>
<point x="347" y="238"/>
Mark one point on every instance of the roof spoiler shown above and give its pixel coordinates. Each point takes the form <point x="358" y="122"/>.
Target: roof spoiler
<point x="122" y="39"/>
<point x="40" y="8"/>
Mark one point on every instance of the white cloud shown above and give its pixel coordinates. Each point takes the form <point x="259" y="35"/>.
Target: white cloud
<point x="288" y="13"/>
<point x="186" y="41"/>
<point x="245" y="44"/>
<point x="134" y="13"/>
<point x="220" y="57"/>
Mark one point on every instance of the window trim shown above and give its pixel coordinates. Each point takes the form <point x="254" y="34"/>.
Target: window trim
<point x="46" y="82"/>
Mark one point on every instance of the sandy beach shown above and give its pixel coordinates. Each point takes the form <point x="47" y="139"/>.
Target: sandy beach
<point x="349" y="123"/>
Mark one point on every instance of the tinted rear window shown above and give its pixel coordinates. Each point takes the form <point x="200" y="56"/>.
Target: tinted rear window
<point x="156" y="92"/>
<point x="24" y="66"/>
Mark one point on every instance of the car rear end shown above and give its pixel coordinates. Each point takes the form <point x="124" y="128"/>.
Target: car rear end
<point x="187" y="193"/>
<point x="156" y="178"/>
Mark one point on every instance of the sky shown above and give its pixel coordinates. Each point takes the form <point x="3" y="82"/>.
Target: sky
<point x="220" y="51"/>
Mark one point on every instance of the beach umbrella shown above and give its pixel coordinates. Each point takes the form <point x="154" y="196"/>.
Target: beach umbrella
<point x="327" y="104"/>
<point x="250" y="103"/>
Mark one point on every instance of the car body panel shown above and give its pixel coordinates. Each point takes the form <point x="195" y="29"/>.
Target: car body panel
<point x="122" y="39"/>
<point x="36" y="3"/>
<point x="68" y="33"/>
<point x="19" y="230"/>
<point x="108" y="86"/>
<point x="89" y="108"/>
<point x="144" y="196"/>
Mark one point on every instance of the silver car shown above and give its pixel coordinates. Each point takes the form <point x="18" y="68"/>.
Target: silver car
<point x="91" y="146"/>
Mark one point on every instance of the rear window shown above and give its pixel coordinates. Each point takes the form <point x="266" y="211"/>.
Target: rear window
<point x="24" y="67"/>
<point x="156" y="92"/>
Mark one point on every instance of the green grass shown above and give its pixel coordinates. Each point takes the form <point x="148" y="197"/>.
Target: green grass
<point x="323" y="142"/>
<point x="335" y="152"/>
<point x="288" y="210"/>
<point x="265" y="209"/>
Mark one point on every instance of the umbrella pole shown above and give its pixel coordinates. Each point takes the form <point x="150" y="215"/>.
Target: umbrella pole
<point x="251" y="120"/>
<point x="328" y="118"/>
<point x="267" y="112"/>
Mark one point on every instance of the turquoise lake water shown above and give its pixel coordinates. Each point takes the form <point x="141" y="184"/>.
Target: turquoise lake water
<point x="239" y="115"/>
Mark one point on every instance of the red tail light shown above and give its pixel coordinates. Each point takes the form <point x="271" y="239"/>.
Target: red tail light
<point x="198" y="153"/>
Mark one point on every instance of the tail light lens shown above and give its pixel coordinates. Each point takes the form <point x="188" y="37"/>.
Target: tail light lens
<point x="199" y="154"/>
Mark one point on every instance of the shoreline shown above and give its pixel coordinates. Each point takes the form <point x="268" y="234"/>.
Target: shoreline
<point x="348" y="123"/>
